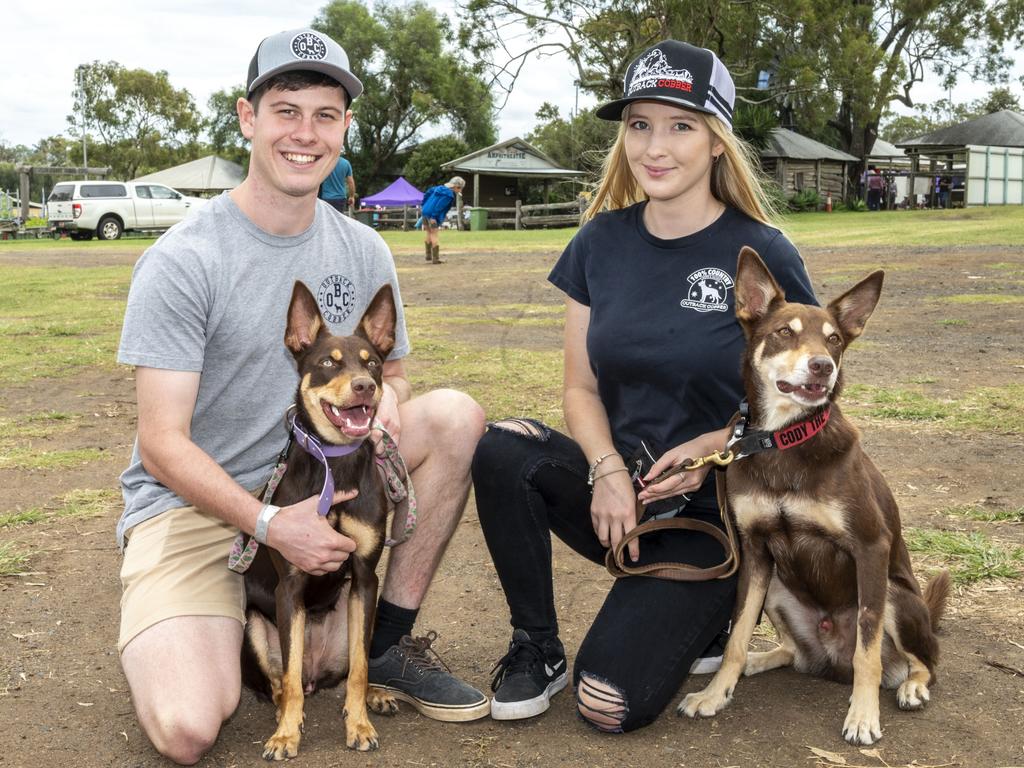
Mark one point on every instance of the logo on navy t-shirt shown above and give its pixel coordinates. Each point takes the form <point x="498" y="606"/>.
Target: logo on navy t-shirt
<point x="336" y="297"/>
<point x="708" y="291"/>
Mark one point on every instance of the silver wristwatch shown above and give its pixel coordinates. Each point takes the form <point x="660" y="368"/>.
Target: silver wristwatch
<point x="263" y="522"/>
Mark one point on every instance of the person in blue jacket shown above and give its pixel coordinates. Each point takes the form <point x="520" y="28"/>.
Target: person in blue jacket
<point x="436" y="203"/>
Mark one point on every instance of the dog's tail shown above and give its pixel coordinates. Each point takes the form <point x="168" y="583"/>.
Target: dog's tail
<point x="936" y="593"/>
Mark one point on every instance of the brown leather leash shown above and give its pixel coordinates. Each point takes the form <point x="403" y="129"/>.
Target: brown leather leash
<point x="615" y="558"/>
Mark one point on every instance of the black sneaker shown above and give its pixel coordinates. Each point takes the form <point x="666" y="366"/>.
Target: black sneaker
<point x="413" y="672"/>
<point x="711" y="659"/>
<point x="527" y="677"/>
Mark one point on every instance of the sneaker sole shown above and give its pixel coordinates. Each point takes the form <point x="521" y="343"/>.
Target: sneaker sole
<point x="706" y="665"/>
<point x="448" y="714"/>
<point x="520" y="710"/>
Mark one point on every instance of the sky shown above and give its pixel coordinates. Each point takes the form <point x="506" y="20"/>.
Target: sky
<point x="205" y="46"/>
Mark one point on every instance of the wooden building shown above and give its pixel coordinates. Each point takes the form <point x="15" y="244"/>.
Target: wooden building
<point x="798" y="163"/>
<point x="494" y="172"/>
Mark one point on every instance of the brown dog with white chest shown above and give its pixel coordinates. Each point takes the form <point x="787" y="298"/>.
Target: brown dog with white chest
<point x="822" y="548"/>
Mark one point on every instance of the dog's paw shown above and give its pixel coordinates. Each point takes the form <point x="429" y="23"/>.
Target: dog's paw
<point x="361" y="737"/>
<point x="381" y="702"/>
<point x="706" y="703"/>
<point x="281" y="746"/>
<point x="862" y="726"/>
<point x="912" y="694"/>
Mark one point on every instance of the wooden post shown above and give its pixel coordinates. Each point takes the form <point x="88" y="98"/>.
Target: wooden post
<point x="519" y="214"/>
<point x="546" y="192"/>
<point x="476" y="190"/>
<point x="405" y="217"/>
<point x="458" y="213"/>
<point x="24" y="187"/>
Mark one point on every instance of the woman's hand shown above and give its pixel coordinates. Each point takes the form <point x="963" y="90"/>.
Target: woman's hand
<point x="613" y="509"/>
<point x="688" y="481"/>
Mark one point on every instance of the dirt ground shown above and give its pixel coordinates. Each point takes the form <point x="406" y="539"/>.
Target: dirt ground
<point x="63" y="699"/>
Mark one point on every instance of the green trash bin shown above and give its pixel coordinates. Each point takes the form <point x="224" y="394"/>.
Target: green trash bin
<point x="365" y="217"/>
<point x="477" y="219"/>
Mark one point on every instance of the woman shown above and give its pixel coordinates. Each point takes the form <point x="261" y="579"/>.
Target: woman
<point x="652" y="352"/>
<point x="436" y="203"/>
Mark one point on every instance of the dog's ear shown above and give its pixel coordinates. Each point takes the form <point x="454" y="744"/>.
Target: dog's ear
<point x="378" y="322"/>
<point x="304" y="320"/>
<point x="756" y="289"/>
<point x="854" y="307"/>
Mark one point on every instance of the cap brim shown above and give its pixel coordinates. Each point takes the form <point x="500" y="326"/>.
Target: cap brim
<point x="352" y="85"/>
<point x="613" y="110"/>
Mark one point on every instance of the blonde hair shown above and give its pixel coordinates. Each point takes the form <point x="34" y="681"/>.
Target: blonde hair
<point x="736" y="177"/>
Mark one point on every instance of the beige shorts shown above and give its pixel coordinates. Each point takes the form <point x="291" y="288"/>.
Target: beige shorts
<point x="176" y="564"/>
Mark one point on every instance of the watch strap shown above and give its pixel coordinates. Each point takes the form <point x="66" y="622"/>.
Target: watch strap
<point x="263" y="522"/>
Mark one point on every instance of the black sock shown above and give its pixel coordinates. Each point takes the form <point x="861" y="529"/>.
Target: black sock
<point x="392" y="623"/>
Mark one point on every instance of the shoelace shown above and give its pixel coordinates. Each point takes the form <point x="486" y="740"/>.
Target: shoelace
<point x="417" y="651"/>
<point x="522" y="656"/>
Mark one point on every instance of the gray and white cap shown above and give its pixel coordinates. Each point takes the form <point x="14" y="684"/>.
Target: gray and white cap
<point x="677" y="73"/>
<point x="301" y="49"/>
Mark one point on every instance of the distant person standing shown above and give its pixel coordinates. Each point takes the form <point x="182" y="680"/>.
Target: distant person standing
<point x="437" y="201"/>
<point x="875" y="184"/>
<point x="339" y="188"/>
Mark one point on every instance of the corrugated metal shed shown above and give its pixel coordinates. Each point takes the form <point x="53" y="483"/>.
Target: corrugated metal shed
<point x="784" y="143"/>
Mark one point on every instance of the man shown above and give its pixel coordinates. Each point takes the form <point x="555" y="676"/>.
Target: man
<point x="204" y="326"/>
<point x="875" y="184"/>
<point x="437" y="201"/>
<point x="339" y="188"/>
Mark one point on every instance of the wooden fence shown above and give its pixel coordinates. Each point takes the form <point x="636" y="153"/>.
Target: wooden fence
<point x="519" y="216"/>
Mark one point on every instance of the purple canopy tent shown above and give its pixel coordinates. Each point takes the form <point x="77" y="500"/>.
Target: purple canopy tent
<point x="400" y="192"/>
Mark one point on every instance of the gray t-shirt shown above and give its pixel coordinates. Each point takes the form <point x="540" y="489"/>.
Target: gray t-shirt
<point x="212" y="296"/>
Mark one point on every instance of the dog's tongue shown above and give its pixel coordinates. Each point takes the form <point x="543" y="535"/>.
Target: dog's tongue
<point x="354" y="422"/>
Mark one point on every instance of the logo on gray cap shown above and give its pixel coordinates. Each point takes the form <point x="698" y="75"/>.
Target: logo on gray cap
<point x="309" y="46"/>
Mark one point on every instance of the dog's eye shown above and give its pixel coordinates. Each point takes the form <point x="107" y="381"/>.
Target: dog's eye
<point x="785" y="331"/>
<point x="327" y="363"/>
<point x="373" y="365"/>
<point x="834" y="339"/>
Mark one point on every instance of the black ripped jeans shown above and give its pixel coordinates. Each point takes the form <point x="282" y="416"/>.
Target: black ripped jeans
<point x="649" y="631"/>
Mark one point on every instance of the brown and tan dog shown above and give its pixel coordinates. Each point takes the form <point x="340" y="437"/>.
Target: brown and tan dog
<point x="296" y="637"/>
<point x="822" y="548"/>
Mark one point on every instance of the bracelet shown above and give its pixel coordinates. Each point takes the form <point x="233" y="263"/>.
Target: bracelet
<point x="263" y="522"/>
<point x="595" y="465"/>
<point x="611" y="472"/>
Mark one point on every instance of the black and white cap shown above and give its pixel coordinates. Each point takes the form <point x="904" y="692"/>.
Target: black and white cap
<point x="677" y="73"/>
<point x="304" y="49"/>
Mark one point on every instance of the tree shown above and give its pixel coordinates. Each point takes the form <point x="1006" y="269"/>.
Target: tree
<point x="412" y="78"/>
<point x="834" y="67"/>
<point x="221" y="125"/>
<point x="579" y="143"/>
<point x="423" y="168"/>
<point x="139" y="116"/>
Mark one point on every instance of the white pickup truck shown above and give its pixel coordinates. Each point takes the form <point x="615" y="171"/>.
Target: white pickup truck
<point x="110" y="208"/>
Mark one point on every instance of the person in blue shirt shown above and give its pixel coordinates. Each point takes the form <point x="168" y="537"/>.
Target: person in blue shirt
<point x="436" y="203"/>
<point x="339" y="188"/>
<point x="652" y="358"/>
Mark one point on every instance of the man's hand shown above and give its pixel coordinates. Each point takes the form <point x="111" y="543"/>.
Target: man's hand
<point x="306" y="540"/>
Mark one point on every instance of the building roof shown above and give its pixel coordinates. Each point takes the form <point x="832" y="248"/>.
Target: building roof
<point x="788" y="144"/>
<point x="883" y="149"/>
<point x="207" y="174"/>
<point x="513" y="157"/>
<point x="397" y="193"/>
<point x="999" y="129"/>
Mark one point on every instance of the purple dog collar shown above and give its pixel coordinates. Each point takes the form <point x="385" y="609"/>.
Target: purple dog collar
<point x="318" y="450"/>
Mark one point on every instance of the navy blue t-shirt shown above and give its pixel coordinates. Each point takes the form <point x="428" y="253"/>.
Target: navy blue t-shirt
<point x="663" y="341"/>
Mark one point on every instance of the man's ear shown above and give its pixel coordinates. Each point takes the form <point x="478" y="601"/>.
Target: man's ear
<point x="246" y="117"/>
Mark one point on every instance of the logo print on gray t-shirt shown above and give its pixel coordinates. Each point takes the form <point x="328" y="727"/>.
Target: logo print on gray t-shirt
<point x="336" y="297"/>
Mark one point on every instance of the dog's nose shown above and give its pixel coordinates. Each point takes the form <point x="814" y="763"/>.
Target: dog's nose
<point x="821" y="365"/>
<point x="364" y="386"/>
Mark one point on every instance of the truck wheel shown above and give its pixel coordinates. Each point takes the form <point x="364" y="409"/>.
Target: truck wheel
<point x="109" y="229"/>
